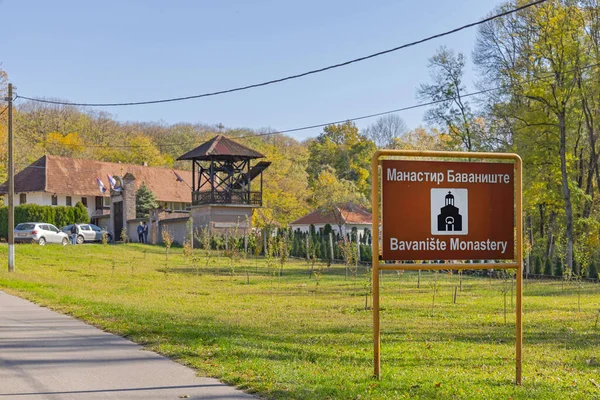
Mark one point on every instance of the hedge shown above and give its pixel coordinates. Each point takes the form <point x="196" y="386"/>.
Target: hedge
<point x="58" y="216"/>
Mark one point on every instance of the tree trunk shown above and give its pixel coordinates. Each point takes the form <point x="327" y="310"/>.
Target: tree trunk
<point x="566" y="191"/>
<point x="550" y="234"/>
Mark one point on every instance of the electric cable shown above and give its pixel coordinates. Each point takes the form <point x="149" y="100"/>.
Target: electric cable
<point x="290" y="77"/>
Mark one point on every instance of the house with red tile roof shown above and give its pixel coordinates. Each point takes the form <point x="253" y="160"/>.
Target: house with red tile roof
<point x="344" y="217"/>
<point x="63" y="181"/>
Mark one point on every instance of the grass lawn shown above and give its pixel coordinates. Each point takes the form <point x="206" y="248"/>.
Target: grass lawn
<point x="307" y="337"/>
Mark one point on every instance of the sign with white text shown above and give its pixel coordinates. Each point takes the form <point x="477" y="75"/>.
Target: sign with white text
<point x="448" y="210"/>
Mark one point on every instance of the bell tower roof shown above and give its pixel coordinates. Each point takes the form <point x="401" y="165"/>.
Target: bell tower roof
<point x="221" y="148"/>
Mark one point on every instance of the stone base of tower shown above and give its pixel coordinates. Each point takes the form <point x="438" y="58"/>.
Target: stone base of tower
<point x="223" y="219"/>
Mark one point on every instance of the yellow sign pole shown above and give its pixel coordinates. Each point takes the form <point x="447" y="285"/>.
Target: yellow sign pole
<point x="517" y="264"/>
<point x="375" y="263"/>
<point x="519" y="259"/>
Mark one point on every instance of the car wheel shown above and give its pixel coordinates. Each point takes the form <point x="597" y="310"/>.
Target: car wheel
<point x="65" y="241"/>
<point x="42" y="241"/>
<point x="79" y="239"/>
<point x="109" y="238"/>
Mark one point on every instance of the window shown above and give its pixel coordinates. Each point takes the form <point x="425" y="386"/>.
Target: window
<point x="22" y="198"/>
<point x="69" y="202"/>
<point x="106" y="201"/>
<point x="54" y="200"/>
<point x="84" y="201"/>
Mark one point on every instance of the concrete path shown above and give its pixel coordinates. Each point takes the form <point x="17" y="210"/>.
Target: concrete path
<point x="46" y="355"/>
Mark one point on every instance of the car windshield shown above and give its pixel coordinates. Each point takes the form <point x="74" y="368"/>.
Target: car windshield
<point x="95" y="228"/>
<point x="24" y="227"/>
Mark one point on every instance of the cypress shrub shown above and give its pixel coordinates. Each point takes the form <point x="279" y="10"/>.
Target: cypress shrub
<point x="558" y="268"/>
<point x="81" y="214"/>
<point x="548" y="268"/>
<point x="324" y="249"/>
<point x="593" y="270"/>
<point x="538" y="266"/>
<point x="365" y="253"/>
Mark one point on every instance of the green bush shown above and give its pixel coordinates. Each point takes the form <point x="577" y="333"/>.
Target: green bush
<point x="365" y="252"/>
<point x="558" y="268"/>
<point x="548" y="268"/>
<point x="593" y="270"/>
<point x="57" y="216"/>
<point x="538" y="266"/>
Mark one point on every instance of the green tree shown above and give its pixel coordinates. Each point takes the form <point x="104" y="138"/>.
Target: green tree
<point x="593" y="270"/>
<point x="558" y="268"/>
<point x="342" y="149"/>
<point x="145" y="201"/>
<point x="548" y="267"/>
<point x="452" y="112"/>
<point x="538" y="266"/>
<point x="537" y="56"/>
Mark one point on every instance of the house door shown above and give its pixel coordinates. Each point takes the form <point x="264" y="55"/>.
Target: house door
<point x="118" y="219"/>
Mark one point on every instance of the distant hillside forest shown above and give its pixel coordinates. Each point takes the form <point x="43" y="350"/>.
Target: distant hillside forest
<point x="539" y="83"/>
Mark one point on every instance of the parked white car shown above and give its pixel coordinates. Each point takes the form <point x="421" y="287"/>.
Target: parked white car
<point x="40" y="232"/>
<point x="88" y="233"/>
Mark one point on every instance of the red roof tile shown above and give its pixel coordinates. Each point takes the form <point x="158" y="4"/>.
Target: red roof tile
<point x="344" y="214"/>
<point x="70" y="176"/>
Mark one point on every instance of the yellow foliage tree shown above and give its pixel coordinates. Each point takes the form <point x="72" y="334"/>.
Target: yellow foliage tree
<point x="68" y="145"/>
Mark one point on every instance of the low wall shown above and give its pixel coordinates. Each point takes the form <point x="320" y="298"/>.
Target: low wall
<point x="177" y="227"/>
<point x="132" y="226"/>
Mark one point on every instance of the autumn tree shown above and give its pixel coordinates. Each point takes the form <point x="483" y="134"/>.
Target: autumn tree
<point x="346" y="151"/>
<point x="386" y="130"/>
<point x="536" y="54"/>
<point x="69" y="145"/>
<point x="452" y="112"/>
<point x="329" y="193"/>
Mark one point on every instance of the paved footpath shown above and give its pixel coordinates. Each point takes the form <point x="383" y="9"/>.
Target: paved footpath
<point x="46" y="355"/>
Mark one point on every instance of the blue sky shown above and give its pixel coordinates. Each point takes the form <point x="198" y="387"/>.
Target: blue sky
<point x="134" y="50"/>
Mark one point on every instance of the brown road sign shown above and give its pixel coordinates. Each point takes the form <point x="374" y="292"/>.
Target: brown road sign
<point x="448" y="210"/>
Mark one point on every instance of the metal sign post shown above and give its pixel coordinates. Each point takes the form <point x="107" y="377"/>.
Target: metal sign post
<point x="456" y="210"/>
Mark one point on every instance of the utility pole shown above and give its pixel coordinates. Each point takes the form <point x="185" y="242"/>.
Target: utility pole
<point x="11" y="185"/>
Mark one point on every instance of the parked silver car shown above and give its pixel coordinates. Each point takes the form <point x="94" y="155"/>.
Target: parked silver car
<point x="40" y="232"/>
<point x="88" y="233"/>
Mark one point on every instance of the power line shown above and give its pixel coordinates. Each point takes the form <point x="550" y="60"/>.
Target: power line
<point x="279" y="80"/>
<point x="414" y="106"/>
<point x="3" y="111"/>
<point x="367" y="116"/>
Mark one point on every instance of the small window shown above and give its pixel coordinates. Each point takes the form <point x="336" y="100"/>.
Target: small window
<point x="69" y="202"/>
<point x="107" y="201"/>
<point x="84" y="201"/>
<point x="22" y="198"/>
<point x="54" y="200"/>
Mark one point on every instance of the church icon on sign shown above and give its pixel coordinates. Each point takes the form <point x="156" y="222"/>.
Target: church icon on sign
<point x="449" y="211"/>
<point x="449" y="219"/>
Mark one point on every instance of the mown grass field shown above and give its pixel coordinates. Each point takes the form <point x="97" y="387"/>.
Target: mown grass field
<point x="303" y="337"/>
